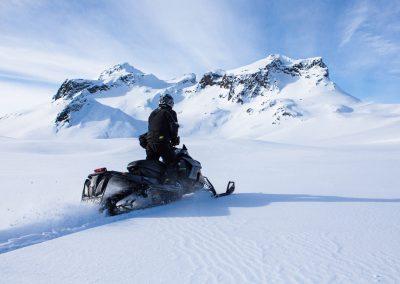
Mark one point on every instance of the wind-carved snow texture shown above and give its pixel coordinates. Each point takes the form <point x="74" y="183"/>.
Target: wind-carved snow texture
<point x="274" y="95"/>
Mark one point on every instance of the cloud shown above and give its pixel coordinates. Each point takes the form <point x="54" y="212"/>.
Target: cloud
<point x="47" y="41"/>
<point x="44" y="42"/>
<point x="16" y="96"/>
<point x="381" y="45"/>
<point x="52" y="40"/>
<point x="355" y="18"/>
<point x="370" y="38"/>
<point x="191" y="36"/>
<point x="45" y="65"/>
<point x="203" y="30"/>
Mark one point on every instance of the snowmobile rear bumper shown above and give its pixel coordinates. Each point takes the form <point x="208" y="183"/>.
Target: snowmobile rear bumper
<point x="95" y="185"/>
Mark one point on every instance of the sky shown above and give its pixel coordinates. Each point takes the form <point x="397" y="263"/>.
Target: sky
<point x="43" y="42"/>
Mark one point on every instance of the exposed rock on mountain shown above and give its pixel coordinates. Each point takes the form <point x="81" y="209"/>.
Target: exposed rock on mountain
<point x="263" y="76"/>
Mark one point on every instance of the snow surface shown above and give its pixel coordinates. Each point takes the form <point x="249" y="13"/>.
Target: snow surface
<point x="317" y="198"/>
<point x="309" y="214"/>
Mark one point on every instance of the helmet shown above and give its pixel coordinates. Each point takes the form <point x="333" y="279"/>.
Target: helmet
<point x="166" y="100"/>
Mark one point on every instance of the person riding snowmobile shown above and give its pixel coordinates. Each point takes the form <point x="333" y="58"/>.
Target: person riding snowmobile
<point x="149" y="182"/>
<point x="162" y="133"/>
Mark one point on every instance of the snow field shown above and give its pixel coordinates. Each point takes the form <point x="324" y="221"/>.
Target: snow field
<point x="300" y="214"/>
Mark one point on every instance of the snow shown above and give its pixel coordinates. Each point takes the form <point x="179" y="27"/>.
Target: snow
<point x="315" y="214"/>
<point x="316" y="171"/>
<point x="255" y="66"/>
<point x="16" y="97"/>
<point x="115" y="72"/>
<point x="262" y="63"/>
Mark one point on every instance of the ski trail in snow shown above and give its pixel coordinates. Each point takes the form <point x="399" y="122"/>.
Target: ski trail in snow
<point x="67" y="220"/>
<point x="57" y="223"/>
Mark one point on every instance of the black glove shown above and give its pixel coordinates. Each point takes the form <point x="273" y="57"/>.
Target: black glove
<point x="175" y="141"/>
<point x="143" y="140"/>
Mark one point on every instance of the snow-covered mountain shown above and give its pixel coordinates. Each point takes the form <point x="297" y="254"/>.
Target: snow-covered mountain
<point x="275" y="98"/>
<point x="263" y="97"/>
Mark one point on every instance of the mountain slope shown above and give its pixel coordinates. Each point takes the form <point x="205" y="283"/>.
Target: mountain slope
<point x="259" y="97"/>
<point x="276" y="98"/>
<point x="115" y="105"/>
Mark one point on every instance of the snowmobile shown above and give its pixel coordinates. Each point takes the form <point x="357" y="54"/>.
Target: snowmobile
<point x="147" y="183"/>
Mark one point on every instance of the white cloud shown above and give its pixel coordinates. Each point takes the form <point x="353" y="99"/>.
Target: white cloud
<point x="369" y="37"/>
<point x="190" y="36"/>
<point x="50" y="41"/>
<point x="15" y="97"/>
<point x="380" y="44"/>
<point x="355" y="18"/>
<point x="203" y="30"/>
<point x="45" y="65"/>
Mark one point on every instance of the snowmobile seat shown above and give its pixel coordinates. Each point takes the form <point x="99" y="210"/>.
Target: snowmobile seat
<point x="147" y="168"/>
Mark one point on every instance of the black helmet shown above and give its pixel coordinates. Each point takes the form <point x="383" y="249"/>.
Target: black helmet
<point x="166" y="100"/>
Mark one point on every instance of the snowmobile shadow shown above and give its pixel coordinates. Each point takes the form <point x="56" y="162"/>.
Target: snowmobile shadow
<point x="196" y="205"/>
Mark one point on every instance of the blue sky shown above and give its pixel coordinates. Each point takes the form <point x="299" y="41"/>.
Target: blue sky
<point x="44" y="42"/>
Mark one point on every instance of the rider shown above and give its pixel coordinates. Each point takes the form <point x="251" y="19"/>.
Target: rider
<point x="162" y="133"/>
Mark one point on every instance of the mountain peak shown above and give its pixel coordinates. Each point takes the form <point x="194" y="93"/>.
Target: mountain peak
<point x="280" y="62"/>
<point x="268" y="75"/>
<point x="118" y="71"/>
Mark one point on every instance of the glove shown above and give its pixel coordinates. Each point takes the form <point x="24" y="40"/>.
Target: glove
<point x="143" y="140"/>
<point x="175" y="141"/>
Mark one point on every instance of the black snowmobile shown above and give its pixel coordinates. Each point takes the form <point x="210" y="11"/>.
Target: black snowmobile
<point x="147" y="183"/>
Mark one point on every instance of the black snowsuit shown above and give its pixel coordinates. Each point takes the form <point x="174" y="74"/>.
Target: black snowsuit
<point x="162" y="134"/>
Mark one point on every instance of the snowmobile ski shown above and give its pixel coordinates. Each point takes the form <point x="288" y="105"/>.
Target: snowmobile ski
<point x="230" y="188"/>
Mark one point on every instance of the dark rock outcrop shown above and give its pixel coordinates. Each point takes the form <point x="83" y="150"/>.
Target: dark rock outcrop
<point x="71" y="87"/>
<point x="246" y="85"/>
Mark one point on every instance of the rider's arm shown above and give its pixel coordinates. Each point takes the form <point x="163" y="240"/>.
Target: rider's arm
<point x="174" y="124"/>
